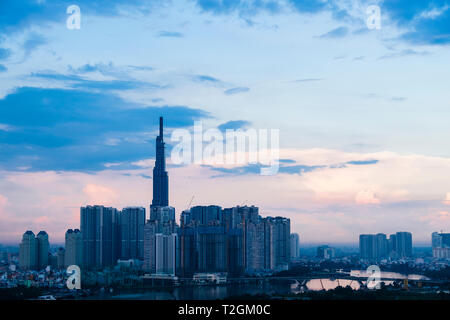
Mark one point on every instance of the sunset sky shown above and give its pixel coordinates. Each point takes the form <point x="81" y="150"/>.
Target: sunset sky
<point x="363" y="114"/>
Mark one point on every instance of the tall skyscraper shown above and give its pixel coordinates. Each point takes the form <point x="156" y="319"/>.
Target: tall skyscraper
<point x="101" y="238"/>
<point x="74" y="248"/>
<point x="28" y="251"/>
<point x="160" y="248"/>
<point x="277" y="243"/>
<point x="160" y="176"/>
<point x="368" y="247"/>
<point x="132" y="221"/>
<point x="295" y="246"/>
<point x="43" y="249"/>
<point x="165" y="253"/>
<point x="392" y="245"/>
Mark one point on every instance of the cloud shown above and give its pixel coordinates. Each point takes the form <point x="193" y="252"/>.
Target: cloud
<point x="309" y="80"/>
<point x="234" y="125"/>
<point x="404" y="53"/>
<point x="309" y="6"/>
<point x="170" y="34"/>
<point x="3" y="202"/>
<point x="77" y="82"/>
<point x="446" y="201"/>
<point x="236" y="90"/>
<point x="243" y="7"/>
<point x="61" y="129"/>
<point x="100" y="194"/>
<point x="384" y="97"/>
<point x="433" y="12"/>
<point x="4" y="53"/>
<point x="108" y="69"/>
<point x="286" y="167"/>
<point x="422" y="22"/>
<point x="20" y="15"/>
<point x="366" y="197"/>
<point x="206" y="79"/>
<point x="339" y="32"/>
<point x="98" y="67"/>
<point x="324" y="204"/>
<point x="363" y="162"/>
<point x="33" y="42"/>
<point x="246" y="8"/>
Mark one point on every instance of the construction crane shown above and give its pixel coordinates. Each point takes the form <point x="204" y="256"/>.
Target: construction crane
<point x="190" y="202"/>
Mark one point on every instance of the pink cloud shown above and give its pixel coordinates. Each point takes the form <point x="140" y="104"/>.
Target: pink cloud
<point x="366" y="197"/>
<point x="100" y="194"/>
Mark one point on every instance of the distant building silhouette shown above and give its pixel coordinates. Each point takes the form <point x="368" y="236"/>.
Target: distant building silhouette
<point x="403" y="244"/>
<point x="60" y="258"/>
<point x="34" y="251"/>
<point x="295" y="246"/>
<point x="441" y="245"/>
<point x="375" y="247"/>
<point x="326" y="252"/>
<point x="28" y="252"/>
<point x="74" y="248"/>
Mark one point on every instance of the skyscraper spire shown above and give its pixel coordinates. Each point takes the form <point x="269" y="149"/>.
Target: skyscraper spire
<point x="160" y="177"/>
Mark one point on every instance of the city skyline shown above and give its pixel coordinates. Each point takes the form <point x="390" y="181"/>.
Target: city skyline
<point x="361" y="112"/>
<point x="128" y="237"/>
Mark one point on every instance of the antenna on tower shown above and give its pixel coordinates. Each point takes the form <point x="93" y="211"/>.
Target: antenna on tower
<point x="161" y="127"/>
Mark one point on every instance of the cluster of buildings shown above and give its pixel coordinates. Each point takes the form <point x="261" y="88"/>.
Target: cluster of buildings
<point x="378" y="246"/>
<point x="441" y="245"/>
<point x="34" y="251"/>
<point x="208" y="239"/>
<point x="326" y="252"/>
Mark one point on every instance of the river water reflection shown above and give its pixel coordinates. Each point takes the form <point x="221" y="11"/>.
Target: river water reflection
<point x="271" y="288"/>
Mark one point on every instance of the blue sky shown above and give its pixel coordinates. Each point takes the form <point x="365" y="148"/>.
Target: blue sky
<point x="366" y="103"/>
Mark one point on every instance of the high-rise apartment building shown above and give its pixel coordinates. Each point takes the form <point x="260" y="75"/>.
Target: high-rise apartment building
<point x="132" y="221"/>
<point x="73" y="254"/>
<point x="28" y="251"/>
<point x="403" y="244"/>
<point x="43" y="247"/>
<point x="101" y="236"/>
<point x="34" y="251"/>
<point x="295" y="246"/>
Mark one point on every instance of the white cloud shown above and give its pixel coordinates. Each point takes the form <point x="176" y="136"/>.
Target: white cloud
<point x="433" y="13"/>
